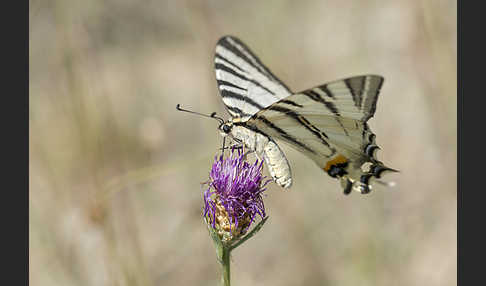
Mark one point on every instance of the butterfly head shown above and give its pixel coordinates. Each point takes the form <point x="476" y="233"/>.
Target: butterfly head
<point x="225" y="128"/>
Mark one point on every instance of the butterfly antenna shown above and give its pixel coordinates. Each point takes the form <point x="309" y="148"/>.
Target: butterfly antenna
<point x="212" y="115"/>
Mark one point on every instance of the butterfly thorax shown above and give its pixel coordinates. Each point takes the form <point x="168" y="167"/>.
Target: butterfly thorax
<point x="242" y="135"/>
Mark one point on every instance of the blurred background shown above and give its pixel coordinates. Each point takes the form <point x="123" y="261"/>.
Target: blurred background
<point x="116" y="171"/>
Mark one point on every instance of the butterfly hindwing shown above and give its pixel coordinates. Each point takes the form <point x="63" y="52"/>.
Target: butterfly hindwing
<point x="332" y="114"/>
<point x="353" y="97"/>
<point x="328" y="124"/>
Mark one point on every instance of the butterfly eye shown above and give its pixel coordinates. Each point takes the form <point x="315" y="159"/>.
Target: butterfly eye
<point x="226" y="129"/>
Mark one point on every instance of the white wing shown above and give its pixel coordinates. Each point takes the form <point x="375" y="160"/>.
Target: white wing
<point x="245" y="84"/>
<point x="328" y="124"/>
<point x="353" y="97"/>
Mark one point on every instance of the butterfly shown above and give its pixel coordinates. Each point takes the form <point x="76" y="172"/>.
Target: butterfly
<point x="327" y="123"/>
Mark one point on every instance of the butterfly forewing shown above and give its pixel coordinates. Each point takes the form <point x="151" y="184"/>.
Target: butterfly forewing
<point x="245" y="84"/>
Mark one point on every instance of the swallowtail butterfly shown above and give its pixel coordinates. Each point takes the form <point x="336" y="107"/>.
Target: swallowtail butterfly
<point x="327" y="123"/>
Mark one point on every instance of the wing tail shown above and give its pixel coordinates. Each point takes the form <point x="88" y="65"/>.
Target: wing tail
<point x="361" y="181"/>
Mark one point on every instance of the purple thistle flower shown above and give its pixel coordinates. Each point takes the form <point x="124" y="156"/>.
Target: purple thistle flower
<point x="234" y="196"/>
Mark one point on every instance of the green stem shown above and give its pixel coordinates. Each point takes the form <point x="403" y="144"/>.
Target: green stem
<point x="225" y="263"/>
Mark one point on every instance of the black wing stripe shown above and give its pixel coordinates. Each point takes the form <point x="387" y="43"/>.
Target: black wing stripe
<point x="227" y="83"/>
<point x="326" y="90"/>
<point x="227" y="62"/>
<point x="237" y="111"/>
<point x="240" y="52"/>
<point x="365" y="130"/>
<point x="304" y="122"/>
<point x="289" y="102"/>
<point x="276" y="128"/>
<point x="373" y="97"/>
<point x="252" y="128"/>
<point x="222" y="67"/>
<point x="230" y="94"/>
<point x="284" y="134"/>
<point x="317" y="97"/>
<point x="237" y="51"/>
<point x="349" y="85"/>
<point x="361" y="90"/>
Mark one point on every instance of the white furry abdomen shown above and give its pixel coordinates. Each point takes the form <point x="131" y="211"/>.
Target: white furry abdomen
<point x="277" y="163"/>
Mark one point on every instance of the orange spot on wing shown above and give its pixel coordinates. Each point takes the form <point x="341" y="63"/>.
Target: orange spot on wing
<point x="339" y="159"/>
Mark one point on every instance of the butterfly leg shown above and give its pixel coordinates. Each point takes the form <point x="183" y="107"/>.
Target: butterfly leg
<point x="237" y="144"/>
<point x="234" y="146"/>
